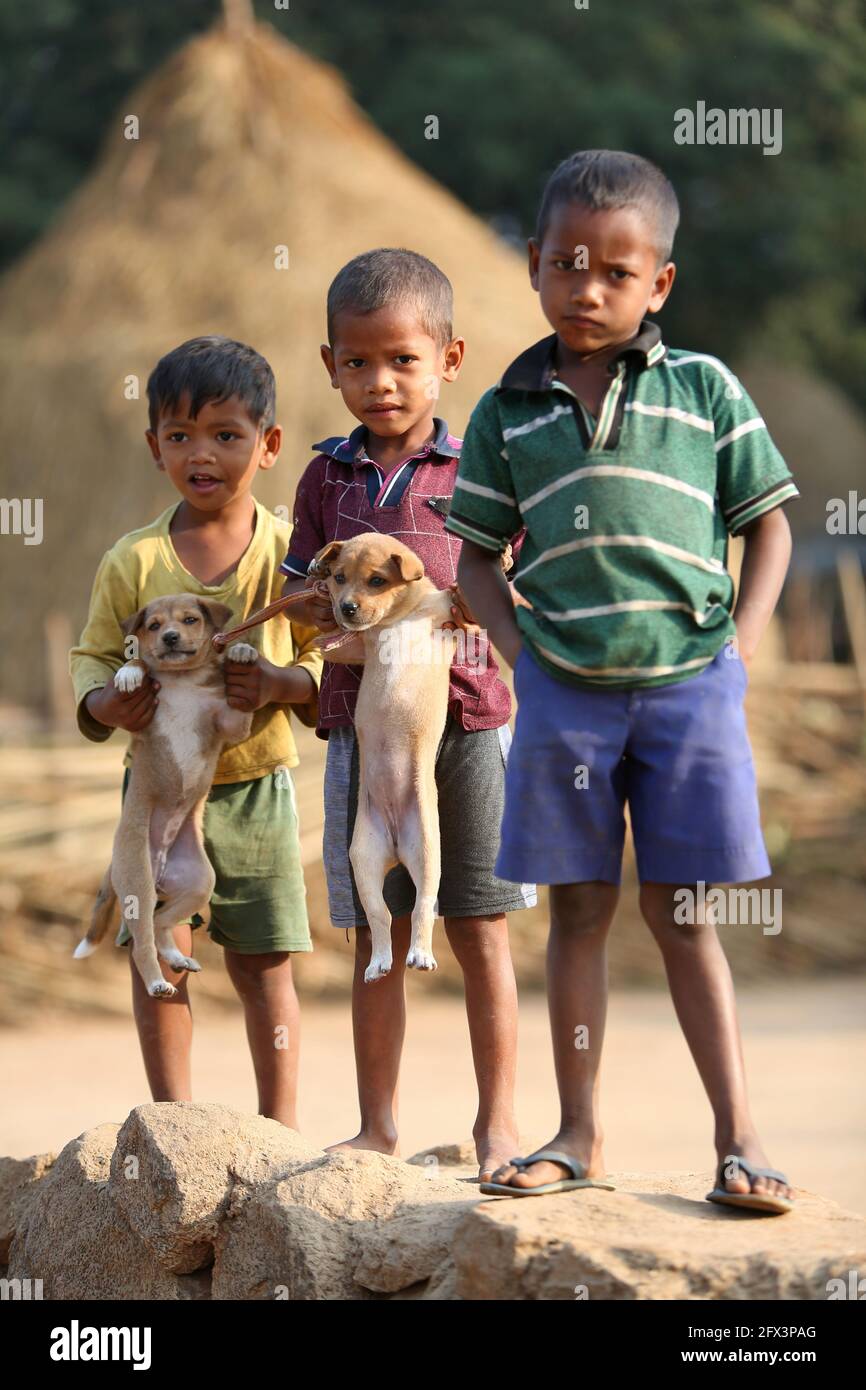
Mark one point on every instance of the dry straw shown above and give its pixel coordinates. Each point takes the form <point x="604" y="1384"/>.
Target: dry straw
<point x="245" y="144"/>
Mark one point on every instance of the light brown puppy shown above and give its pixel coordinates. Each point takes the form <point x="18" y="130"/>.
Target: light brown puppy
<point x="158" y="848"/>
<point x="378" y="588"/>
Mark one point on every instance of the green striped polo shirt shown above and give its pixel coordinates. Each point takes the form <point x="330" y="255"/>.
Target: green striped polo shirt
<point x="627" y="516"/>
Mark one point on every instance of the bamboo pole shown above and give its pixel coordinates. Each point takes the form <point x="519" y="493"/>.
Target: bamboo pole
<point x="853" y="589"/>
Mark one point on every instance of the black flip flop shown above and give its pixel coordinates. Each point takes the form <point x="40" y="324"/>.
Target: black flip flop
<point x="769" y="1202"/>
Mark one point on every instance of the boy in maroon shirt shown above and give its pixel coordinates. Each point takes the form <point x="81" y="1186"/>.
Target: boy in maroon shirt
<point x="390" y="346"/>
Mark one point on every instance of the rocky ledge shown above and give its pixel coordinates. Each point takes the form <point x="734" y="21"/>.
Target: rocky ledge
<point x="187" y="1201"/>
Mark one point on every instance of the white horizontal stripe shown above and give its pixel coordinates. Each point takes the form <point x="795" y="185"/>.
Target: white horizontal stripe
<point x="287" y="566"/>
<point x="673" y="413"/>
<point x="648" y="671"/>
<point x="766" y="495"/>
<point x="482" y="491"/>
<point x="733" y="384"/>
<point x="619" y="470"/>
<point x="635" y="605"/>
<point x="756" y="424"/>
<point x="643" y="542"/>
<point x="537" y="423"/>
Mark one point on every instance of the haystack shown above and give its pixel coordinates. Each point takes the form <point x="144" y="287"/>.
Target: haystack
<point x="245" y="144"/>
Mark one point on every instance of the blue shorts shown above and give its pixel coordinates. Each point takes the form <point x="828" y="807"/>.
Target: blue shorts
<point x="679" y="755"/>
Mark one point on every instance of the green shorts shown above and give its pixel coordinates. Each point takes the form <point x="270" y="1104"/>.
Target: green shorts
<point x="259" y="903"/>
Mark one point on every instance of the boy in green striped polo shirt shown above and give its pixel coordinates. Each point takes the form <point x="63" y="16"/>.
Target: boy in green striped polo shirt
<point x="629" y="464"/>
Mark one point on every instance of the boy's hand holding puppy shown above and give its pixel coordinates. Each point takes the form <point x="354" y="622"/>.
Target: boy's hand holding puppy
<point x="119" y="709"/>
<point x="248" y="687"/>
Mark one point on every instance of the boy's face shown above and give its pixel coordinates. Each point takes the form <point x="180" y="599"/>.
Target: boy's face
<point x="214" y="458"/>
<point x="388" y="369"/>
<point x="602" y="304"/>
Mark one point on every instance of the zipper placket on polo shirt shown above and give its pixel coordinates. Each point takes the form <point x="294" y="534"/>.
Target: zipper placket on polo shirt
<point x="385" y="481"/>
<point x="607" y="414"/>
<point x="598" y="435"/>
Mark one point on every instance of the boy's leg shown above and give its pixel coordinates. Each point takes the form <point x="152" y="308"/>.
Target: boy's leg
<point x="481" y="947"/>
<point x="378" y="1027"/>
<point x="266" y="988"/>
<point x="696" y="731"/>
<point x="164" y="1024"/>
<point x="259" y="917"/>
<point x="165" y="1027"/>
<point x="580" y="917"/>
<point x="703" y="993"/>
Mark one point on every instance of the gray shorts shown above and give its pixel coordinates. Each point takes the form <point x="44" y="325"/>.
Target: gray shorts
<point x="470" y="780"/>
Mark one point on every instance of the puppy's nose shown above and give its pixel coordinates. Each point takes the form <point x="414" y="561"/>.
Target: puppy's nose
<point x="348" y="608"/>
<point x="171" y="638"/>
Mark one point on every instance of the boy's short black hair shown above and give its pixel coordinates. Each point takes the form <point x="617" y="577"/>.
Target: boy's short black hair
<point x="376" y="279"/>
<point x="211" y="369"/>
<point x="605" y="179"/>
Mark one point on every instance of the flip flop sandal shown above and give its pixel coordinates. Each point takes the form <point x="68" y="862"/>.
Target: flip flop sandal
<point x="574" y="1166"/>
<point x="768" y="1202"/>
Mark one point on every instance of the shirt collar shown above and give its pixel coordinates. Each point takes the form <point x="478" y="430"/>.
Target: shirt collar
<point x="354" y="449"/>
<point x="533" y="369"/>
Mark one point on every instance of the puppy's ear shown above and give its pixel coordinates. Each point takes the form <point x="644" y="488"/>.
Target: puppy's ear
<point x="217" y="614"/>
<point x="320" y="565"/>
<point x="408" y="567"/>
<point x="133" y="623"/>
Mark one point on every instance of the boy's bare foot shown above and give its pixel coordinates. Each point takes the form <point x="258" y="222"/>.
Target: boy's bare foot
<point x="751" y="1150"/>
<point x="586" y="1149"/>
<point x="376" y="1143"/>
<point x="493" y="1149"/>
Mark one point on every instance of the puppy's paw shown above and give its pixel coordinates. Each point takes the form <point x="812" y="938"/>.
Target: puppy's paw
<point x="378" y="967"/>
<point x="130" y="677"/>
<point x="178" y="961"/>
<point x="161" y="989"/>
<point x="420" y="960"/>
<point x="242" y="651"/>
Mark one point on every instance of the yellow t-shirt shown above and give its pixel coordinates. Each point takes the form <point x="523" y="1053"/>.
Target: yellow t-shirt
<point x="144" y="565"/>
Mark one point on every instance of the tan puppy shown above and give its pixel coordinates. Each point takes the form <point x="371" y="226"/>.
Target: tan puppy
<point x="158" y="849"/>
<point x="378" y="588"/>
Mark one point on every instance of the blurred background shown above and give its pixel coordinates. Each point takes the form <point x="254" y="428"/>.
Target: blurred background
<point x="327" y="131"/>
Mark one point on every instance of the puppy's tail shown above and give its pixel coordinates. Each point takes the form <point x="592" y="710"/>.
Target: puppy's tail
<point x="100" y="921"/>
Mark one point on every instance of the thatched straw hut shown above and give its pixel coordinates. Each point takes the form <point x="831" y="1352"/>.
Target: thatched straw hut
<point x="244" y="145"/>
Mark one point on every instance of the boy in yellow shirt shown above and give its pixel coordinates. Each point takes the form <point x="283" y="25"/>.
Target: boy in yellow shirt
<point x="212" y="427"/>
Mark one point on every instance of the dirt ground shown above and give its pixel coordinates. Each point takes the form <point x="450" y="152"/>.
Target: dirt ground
<point x="804" y="1042"/>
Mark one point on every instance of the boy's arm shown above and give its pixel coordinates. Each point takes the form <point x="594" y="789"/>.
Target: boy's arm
<point x="753" y="483"/>
<point x="307" y="539"/>
<point x="100" y="707"/>
<point x="765" y="564"/>
<point x="485" y="515"/>
<point x="490" y="596"/>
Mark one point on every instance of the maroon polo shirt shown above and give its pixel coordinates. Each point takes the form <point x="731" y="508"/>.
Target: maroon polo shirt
<point x="343" y="493"/>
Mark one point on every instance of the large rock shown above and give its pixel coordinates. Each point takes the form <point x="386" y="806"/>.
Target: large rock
<point x="74" y="1239"/>
<point x="349" y="1225"/>
<point x="654" y="1238"/>
<point x="175" y="1167"/>
<point x="141" y="1211"/>
<point x="18" y="1179"/>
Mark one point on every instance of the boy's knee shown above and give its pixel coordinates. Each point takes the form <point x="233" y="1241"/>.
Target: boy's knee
<point x="661" y="910"/>
<point x="470" y="937"/>
<point x="583" y="909"/>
